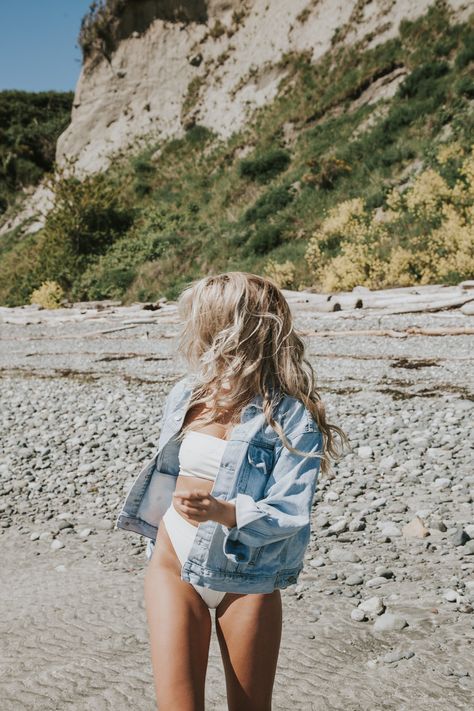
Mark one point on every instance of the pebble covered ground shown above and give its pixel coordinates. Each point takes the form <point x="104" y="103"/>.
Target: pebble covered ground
<point x="382" y="616"/>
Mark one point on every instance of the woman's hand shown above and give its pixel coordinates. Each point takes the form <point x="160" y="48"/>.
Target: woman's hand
<point x="199" y="505"/>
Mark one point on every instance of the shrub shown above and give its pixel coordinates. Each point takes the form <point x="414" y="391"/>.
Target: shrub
<point x="422" y="82"/>
<point x="466" y="54"/>
<point x="425" y="234"/>
<point x="282" y="274"/>
<point x="88" y="214"/>
<point x="49" y="295"/>
<point x="263" y="167"/>
<point x="326" y="171"/>
<point x="99" y="28"/>
<point x="217" y="29"/>
<point x="445" y="46"/>
<point x="265" y="238"/>
<point x="268" y="204"/>
<point x="30" y="125"/>
<point x="465" y="87"/>
<point x="192" y="94"/>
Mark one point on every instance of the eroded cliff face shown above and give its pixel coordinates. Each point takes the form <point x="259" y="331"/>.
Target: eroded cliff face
<point x="174" y="63"/>
<point x="209" y="62"/>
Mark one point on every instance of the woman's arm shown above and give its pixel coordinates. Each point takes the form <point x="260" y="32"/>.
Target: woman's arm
<point x="286" y="506"/>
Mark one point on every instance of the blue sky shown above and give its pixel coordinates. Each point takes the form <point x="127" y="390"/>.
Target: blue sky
<point x="38" y="44"/>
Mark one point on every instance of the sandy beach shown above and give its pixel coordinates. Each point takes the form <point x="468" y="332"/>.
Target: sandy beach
<point x="382" y="617"/>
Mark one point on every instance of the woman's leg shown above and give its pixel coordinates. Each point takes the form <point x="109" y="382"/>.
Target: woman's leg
<point x="180" y="630"/>
<point x="249" y="632"/>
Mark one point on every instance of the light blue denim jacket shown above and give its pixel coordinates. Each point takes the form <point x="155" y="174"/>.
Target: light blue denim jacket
<point x="272" y="489"/>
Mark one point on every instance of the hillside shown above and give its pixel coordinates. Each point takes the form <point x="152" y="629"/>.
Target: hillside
<point x="356" y="169"/>
<point x="30" y="124"/>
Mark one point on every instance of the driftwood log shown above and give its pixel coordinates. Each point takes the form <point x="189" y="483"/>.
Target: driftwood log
<point x="411" y="331"/>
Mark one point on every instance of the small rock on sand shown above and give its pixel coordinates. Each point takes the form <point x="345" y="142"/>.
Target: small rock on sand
<point x="373" y="606"/>
<point x="343" y="555"/>
<point x="358" y="615"/>
<point x="396" y="655"/>
<point x="389" y="622"/>
<point x="415" y="529"/>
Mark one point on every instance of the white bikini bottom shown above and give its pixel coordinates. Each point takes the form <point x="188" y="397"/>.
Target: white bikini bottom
<point x="182" y="534"/>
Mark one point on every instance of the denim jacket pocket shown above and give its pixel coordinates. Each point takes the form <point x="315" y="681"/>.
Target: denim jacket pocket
<point x="255" y="555"/>
<point x="258" y="467"/>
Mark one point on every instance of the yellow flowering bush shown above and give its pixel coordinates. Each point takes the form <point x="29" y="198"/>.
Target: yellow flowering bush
<point x="282" y="274"/>
<point x="427" y="193"/>
<point x="449" y="151"/>
<point x="49" y="295"/>
<point x="349" y="229"/>
<point x="426" y="233"/>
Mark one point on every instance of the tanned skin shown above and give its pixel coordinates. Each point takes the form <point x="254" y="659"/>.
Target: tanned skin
<point x="248" y="626"/>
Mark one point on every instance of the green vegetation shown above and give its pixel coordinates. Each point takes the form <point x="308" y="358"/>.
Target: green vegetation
<point x="369" y="193"/>
<point x="30" y="123"/>
<point x="263" y="167"/>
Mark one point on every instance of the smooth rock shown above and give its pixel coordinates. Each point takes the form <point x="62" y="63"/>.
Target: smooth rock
<point x="451" y="595"/>
<point x="388" y="528"/>
<point x="415" y="529"/>
<point x="354" y="579"/>
<point x="358" y="615"/>
<point x="375" y="582"/>
<point x="343" y="555"/>
<point x="372" y="606"/>
<point x="459" y="537"/>
<point x="396" y="655"/>
<point x="389" y="622"/>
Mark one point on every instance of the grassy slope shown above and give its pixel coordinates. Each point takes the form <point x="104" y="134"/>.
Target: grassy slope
<point x="186" y="207"/>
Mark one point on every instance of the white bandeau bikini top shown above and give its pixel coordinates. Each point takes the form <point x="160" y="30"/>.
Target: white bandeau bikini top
<point x="200" y="454"/>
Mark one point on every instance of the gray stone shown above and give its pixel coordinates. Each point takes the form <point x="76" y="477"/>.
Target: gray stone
<point x="375" y="582"/>
<point x="451" y="595"/>
<point x="396" y="655"/>
<point x="317" y="562"/>
<point x="459" y="537"/>
<point x="389" y="622"/>
<point x="372" y="606"/>
<point x="354" y="579"/>
<point x="343" y="555"/>
<point x="390" y="529"/>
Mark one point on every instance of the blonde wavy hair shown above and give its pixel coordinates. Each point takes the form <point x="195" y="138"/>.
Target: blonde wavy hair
<point x="238" y="327"/>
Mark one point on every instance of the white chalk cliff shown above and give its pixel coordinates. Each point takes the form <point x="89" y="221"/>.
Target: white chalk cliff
<point x="213" y="65"/>
<point x="209" y="62"/>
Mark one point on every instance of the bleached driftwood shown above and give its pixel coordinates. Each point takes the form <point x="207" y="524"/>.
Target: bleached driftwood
<point x="411" y="331"/>
<point x="392" y="301"/>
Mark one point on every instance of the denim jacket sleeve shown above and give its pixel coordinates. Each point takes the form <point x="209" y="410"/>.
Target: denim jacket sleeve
<point x="286" y="506"/>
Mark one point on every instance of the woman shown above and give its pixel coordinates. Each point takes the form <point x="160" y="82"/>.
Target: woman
<point x="228" y="496"/>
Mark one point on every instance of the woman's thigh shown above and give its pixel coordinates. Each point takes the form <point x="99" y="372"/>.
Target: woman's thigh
<point x="180" y="629"/>
<point x="249" y="632"/>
